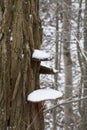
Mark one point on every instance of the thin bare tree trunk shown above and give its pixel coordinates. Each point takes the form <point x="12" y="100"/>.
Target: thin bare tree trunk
<point x="67" y="62"/>
<point x="56" y="67"/>
<point x="78" y="52"/>
<point x="84" y="104"/>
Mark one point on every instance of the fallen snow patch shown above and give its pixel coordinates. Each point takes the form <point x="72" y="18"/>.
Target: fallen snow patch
<point x="40" y="55"/>
<point x="44" y="94"/>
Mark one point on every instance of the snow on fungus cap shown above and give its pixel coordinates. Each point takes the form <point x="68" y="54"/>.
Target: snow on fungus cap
<point x="43" y="95"/>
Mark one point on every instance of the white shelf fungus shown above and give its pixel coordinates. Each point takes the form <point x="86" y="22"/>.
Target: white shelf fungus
<point x="43" y="95"/>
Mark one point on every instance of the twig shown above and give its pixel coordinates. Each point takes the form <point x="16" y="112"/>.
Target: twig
<point x="81" y="51"/>
<point x="16" y="86"/>
<point x="66" y="102"/>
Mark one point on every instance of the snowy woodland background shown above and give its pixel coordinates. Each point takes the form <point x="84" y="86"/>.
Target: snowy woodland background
<point x="64" y="25"/>
<point x="61" y="27"/>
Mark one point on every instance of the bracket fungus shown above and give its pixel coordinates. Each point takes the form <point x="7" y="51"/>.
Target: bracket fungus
<point x="47" y="70"/>
<point x="44" y="95"/>
<point x="40" y="55"/>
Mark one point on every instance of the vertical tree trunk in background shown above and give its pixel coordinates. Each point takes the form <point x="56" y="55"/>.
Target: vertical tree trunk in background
<point x="84" y="107"/>
<point x="78" y="52"/>
<point x="56" y="67"/>
<point x="56" y="48"/>
<point x="67" y="62"/>
<point x="20" y="34"/>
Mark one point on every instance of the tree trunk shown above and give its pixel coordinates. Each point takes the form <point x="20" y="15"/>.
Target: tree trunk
<point x="67" y="63"/>
<point x="20" y="34"/>
<point x="84" y="107"/>
<point x="56" y="67"/>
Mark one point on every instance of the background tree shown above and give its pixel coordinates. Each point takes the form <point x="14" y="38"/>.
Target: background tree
<point x="20" y="34"/>
<point x="72" y="17"/>
<point x="67" y="61"/>
<point x="56" y="67"/>
<point x="84" y="103"/>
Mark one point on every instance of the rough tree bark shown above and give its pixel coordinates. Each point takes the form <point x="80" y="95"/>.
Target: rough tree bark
<point x="20" y="34"/>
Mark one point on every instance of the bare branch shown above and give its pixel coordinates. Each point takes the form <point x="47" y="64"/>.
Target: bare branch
<point x="81" y="51"/>
<point x="66" y="102"/>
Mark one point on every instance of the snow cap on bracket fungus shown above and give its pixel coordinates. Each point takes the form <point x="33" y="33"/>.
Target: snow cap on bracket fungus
<point x="43" y="95"/>
<point x="40" y="55"/>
